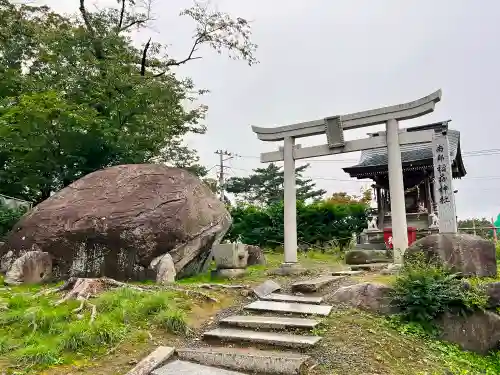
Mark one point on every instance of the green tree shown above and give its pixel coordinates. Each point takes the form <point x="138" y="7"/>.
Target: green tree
<point x="78" y="96"/>
<point x="265" y="186"/>
<point x="483" y="227"/>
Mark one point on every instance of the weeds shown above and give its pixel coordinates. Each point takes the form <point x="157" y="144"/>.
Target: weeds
<point x="424" y="291"/>
<point x="36" y="334"/>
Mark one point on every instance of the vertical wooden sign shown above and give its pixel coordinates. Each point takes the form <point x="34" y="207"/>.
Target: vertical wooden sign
<point x="443" y="184"/>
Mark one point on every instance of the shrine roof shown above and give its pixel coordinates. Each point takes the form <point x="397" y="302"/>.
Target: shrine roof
<point x="414" y="157"/>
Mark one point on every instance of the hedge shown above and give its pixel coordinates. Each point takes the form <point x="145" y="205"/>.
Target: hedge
<point x="318" y="223"/>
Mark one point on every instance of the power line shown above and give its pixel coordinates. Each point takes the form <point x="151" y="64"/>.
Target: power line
<point x="466" y="154"/>
<point x="221" y="154"/>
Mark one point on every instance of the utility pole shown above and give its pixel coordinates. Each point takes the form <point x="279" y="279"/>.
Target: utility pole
<point x="221" y="154"/>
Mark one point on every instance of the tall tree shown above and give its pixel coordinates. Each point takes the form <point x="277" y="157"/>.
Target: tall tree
<point x="77" y="95"/>
<point x="265" y="185"/>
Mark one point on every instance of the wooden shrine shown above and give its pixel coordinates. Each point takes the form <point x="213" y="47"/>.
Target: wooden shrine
<point x="421" y="202"/>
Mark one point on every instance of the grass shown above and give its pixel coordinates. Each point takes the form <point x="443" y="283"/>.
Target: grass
<point x="360" y="343"/>
<point x="35" y="334"/>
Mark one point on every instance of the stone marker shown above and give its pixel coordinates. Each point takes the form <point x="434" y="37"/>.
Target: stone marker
<point x="270" y="338"/>
<point x="291" y="298"/>
<point x="158" y="357"/>
<point x="347" y="273"/>
<point x="164" y="268"/>
<point x="284" y="307"/>
<point x="313" y="285"/>
<point x="254" y="361"/>
<point x="269" y="322"/>
<point x="188" y="368"/>
<point x="230" y="255"/>
<point x="267" y="287"/>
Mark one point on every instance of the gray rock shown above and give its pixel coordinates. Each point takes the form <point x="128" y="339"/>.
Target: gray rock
<point x="164" y="269"/>
<point x="392" y="269"/>
<point x="33" y="267"/>
<point x="115" y="221"/>
<point x="255" y="256"/>
<point x="314" y="285"/>
<point x="492" y="290"/>
<point x="258" y="337"/>
<point x="254" y="361"/>
<point x="227" y="273"/>
<point x="366" y="256"/>
<point x="269" y="322"/>
<point x="470" y="255"/>
<point x="230" y="255"/>
<point x="6" y="261"/>
<point x="372" y="297"/>
<point x="478" y="333"/>
<point x="158" y="357"/>
<point x="284" y="307"/>
<point x="188" y="368"/>
<point x="267" y="287"/>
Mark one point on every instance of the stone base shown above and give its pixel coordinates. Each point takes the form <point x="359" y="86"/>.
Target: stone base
<point x="229" y="273"/>
<point x="289" y="269"/>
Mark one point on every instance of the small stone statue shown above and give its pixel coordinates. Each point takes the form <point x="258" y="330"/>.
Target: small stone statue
<point x="421" y="207"/>
<point x="434" y="221"/>
<point x="372" y="224"/>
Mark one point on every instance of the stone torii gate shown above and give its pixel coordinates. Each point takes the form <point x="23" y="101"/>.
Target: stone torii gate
<point x="392" y="138"/>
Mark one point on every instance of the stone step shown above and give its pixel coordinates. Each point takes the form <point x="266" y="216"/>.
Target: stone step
<point x="187" y="368"/>
<point x="314" y="285"/>
<point x="291" y="298"/>
<point x="347" y="273"/>
<point x="251" y="360"/>
<point x="269" y="322"/>
<point x="285" y="307"/>
<point x="369" y="266"/>
<point x="270" y="338"/>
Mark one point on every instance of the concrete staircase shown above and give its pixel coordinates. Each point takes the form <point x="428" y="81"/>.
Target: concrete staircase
<point x="287" y="324"/>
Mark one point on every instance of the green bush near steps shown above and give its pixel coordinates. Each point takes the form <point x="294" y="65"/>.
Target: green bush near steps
<point x="423" y="292"/>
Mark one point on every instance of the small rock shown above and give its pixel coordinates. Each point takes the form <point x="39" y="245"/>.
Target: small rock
<point x="255" y="255"/>
<point x="492" y="290"/>
<point x="373" y="297"/>
<point x="164" y="268"/>
<point x="31" y="268"/>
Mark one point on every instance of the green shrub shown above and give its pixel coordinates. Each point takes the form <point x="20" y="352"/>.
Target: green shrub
<point x="9" y="217"/>
<point x="425" y="291"/>
<point x="318" y="223"/>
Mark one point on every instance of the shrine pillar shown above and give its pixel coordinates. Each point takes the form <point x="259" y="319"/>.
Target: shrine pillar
<point x="396" y="188"/>
<point x="290" y="203"/>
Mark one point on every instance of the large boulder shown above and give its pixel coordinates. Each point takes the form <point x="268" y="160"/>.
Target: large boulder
<point x="479" y="332"/>
<point x="116" y="221"/>
<point x="470" y="255"/>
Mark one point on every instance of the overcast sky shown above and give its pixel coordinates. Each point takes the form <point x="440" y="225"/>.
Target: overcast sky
<point x="329" y="57"/>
